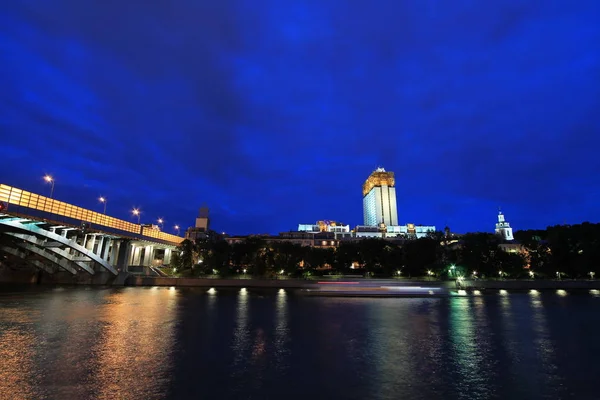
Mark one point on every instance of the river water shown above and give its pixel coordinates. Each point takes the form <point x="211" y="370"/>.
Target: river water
<point x="153" y="343"/>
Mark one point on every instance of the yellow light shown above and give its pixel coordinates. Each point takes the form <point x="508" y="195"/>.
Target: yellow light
<point x="534" y="292"/>
<point x="462" y="292"/>
<point x="135" y="211"/>
<point x="48" y="178"/>
<point x="561" y="292"/>
<point x="476" y="292"/>
<point x="503" y="292"/>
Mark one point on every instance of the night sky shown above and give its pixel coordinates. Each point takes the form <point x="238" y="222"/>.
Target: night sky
<point x="273" y="113"/>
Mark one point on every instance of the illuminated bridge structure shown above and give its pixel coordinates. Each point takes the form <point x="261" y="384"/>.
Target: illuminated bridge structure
<point x="55" y="236"/>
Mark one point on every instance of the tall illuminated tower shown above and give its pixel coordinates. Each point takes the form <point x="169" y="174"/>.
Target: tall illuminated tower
<point x="379" y="199"/>
<point x="503" y="227"/>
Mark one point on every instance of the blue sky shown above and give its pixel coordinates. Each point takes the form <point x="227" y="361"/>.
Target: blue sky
<point x="274" y="113"/>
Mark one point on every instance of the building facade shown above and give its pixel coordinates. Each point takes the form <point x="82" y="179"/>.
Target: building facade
<point x="379" y="199"/>
<point x="503" y="228"/>
<point x="202" y="226"/>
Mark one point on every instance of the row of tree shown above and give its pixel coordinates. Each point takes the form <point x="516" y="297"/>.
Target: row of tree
<point x="558" y="251"/>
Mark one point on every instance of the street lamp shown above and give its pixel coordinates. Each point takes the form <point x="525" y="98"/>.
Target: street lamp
<point x="592" y="274"/>
<point x="50" y="180"/>
<point x="176" y="229"/>
<point x="137" y="213"/>
<point x="103" y="199"/>
<point x="160" y="223"/>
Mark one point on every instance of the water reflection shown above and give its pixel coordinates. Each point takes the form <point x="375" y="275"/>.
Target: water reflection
<point x="96" y="343"/>
<point x="17" y="353"/>
<point x="132" y="341"/>
<point x="144" y="343"/>
<point x="467" y="352"/>
<point x="282" y="332"/>
<point x="241" y="336"/>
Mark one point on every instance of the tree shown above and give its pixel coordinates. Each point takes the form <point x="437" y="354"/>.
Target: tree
<point x="421" y="255"/>
<point x="479" y="253"/>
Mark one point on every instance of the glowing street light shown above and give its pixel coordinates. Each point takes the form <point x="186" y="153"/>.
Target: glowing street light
<point x="176" y="227"/>
<point x="160" y="223"/>
<point x="137" y="213"/>
<point x="592" y="273"/>
<point x="103" y="199"/>
<point x="50" y="180"/>
<point x="532" y="274"/>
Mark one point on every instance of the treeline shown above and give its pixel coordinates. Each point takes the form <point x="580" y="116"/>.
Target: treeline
<point x="570" y="251"/>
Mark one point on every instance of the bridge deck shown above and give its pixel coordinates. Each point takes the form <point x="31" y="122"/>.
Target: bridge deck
<point x="34" y="206"/>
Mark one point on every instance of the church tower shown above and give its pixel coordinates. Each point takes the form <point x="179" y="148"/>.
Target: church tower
<point x="503" y="228"/>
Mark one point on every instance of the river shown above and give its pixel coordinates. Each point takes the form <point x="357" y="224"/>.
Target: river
<point x="154" y="343"/>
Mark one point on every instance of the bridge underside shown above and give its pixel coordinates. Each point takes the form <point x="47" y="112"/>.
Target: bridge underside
<point x="51" y="248"/>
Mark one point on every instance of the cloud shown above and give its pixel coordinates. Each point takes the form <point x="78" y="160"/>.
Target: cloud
<point x="274" y="114"/>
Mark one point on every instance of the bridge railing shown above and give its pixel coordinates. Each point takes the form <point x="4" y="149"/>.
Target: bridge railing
<point x="23" y="198"/>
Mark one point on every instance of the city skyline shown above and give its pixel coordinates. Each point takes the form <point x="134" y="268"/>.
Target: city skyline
<point x="274" y="115"/>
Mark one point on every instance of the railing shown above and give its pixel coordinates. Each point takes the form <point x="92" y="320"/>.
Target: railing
<point x="22" y="198"/>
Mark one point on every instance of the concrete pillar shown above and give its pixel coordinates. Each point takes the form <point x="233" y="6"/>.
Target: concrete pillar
<point x="114" y="252"/>
<point x="124" y="253"/>
<point x="167" y="259"/>
<point x="90" y="241"/>
<point x="105" y="249"/>
<point x="137" y="255"/>
<point x="98" y="249"/>
<point x="148" y="256"/>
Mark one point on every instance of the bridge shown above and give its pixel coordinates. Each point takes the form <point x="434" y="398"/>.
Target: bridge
<point x="61" y="238"/>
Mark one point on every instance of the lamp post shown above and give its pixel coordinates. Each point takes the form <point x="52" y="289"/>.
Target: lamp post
<point x="176" y="229"/>
<point x="160" y="223"/>
<point x="103" y="199"/>
<point x="137" y="213"/>
<point x="50" y="180"/>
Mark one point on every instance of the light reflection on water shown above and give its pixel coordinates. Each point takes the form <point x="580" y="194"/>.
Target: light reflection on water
<point x="145" y="343"/>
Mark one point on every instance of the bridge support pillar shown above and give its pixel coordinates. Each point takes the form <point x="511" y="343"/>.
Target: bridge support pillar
<point x="104" y="249"/>
<point x="148" y="255"/>
<point x="123" y="255"/>
<point x="167" y="258"/>
<point x="97" y="248"/>
<point x="136" y="255"/>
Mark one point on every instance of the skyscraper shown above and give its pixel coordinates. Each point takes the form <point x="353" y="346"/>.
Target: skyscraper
<point x="379" y="199"/>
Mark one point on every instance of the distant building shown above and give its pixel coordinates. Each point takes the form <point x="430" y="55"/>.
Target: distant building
<point x="379" y="199"/>
<point x="503" y="228"/>
<point x="324" y="226"/>
<point x="202" y="225"/>
<point x="408" y="231"/>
